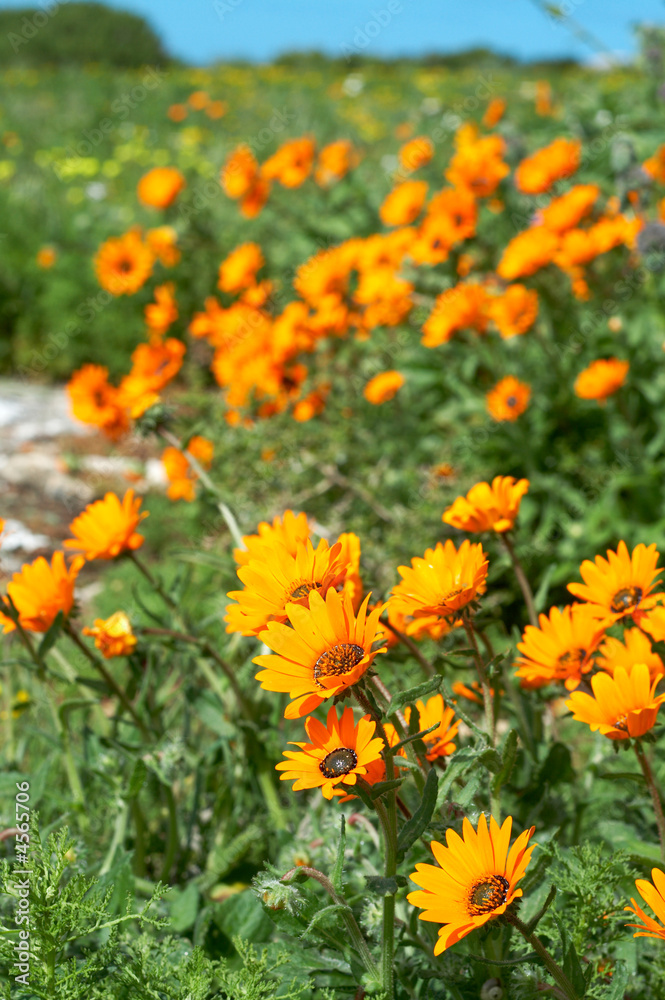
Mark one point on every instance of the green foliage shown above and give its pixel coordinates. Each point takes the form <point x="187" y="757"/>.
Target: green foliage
<point x="66" y="34"/>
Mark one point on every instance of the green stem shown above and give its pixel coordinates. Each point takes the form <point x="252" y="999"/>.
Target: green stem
<point x="119" y="831"/>
<point x="488" y="703"/>
<point x="349" y="919"/>
<point x="557" y="973"/>
<point x="388" y="816"/>
<point x="109" y="680"/>
<point x="655" y="794"/>
<point x="197" y="468"/>
<point x="411" y="645"/>
<point x="172" y="837"/>
<point x="271" y="796"/>
<point x="525" y="587"/>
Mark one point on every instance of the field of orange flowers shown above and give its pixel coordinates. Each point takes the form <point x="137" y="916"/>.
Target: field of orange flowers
<point x="368" y="706"/>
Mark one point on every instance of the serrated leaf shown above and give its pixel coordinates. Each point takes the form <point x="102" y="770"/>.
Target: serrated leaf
<point x="414" y="694"/>
<point x="382" y="885"/>
<point x="416" y="826"/>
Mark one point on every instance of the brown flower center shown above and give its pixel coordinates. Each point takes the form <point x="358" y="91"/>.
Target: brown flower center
<point x="511" y="400"/>
<point x="572" y="657"/>
<point x="304" y="589"/>
<point x="487" y="894"/>
<point x="338" y="762"/>
<point x="626" y="599"/>
<point x="338" y="660"/>
<point x="453" y="593"/>
<point x="125" y="266"/>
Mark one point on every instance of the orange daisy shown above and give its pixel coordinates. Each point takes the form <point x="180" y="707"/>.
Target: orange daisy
<point x="326" y="651"/>
<point x="561" y="648"/>
<point x="623" y="706"/>
<point x="494" y="112"/>
<point x="160" y="187"/>
<point x="107" y="527"/>
<point x="46" y="257"/>
<point x="621" y="585"/>
<point x="240" y="172"/>
<point x="440" y="741"/>
<point x="180" y="474"/>
<point x="338" y="754"/>
<point x="458" y="308"/>
<point x="113" y="636"/>
<point x="240" y="268"/>
<point x="539" y="171"/>
<point x="292" y="164"/>
<point x="383" y="387"/>
<point x="515" y="311"/>
<point x="160" y="314"/>
<point x="289" y="530"/>
<point x="527" y="253"/>
<point x="416" y="153"/>
<point x="567" y="211"/>
<point x="635" y="648"/>
<point x="488" y="508"/>
<point x="41" y="590"/>
<point x="123" y="264"/>
<point x="162" y="241"/>
<point x="95" y="401"/>
<point x="601" y="379"/>
<point x="508" y="399"/>
<point x="442" y="582"/>
<point x="276" y="578"/>
<point x="334" y="162"/>
<point x="404" y="203"/>
<point x="476" y="881"/>
<point x="653" y="896"/>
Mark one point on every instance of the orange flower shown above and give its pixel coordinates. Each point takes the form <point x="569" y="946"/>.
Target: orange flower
<point x="442" y="582"/>
<point x="508" y="399"/>
<point x="476" y="882"/>
<point x="46" y="257"/>
<point x="252" y="203"/>
<point x="494" y="112"/>
<point x="312" y="404"/>
<point x="458" y="308"/>
<point x="123" y="264"/>
<point x="653" y="896"/>
<point x="290" y="530"/>
<point x="621" y="585"/>
<point x="543" y="98"/>
<point x="107" y="527"/>
<point x="198" y="99"/>
<point x="383" y="387"/>
<point x="95" y="401"/>
<point x="41" y="591"/>
<point x="160" y="187"/>
<point x="240" y="172"/>
<point x="276" y="578"/>
<point x="177" y="112"/>
<point x="655" y="165"/>
<point x="477" y="164"/>
<point x="113" y="636"/>
<point x="527" y="253"/>
<point x="601" y="379"/>
<point x="440" y="740"/>
<point x="488" y="508"/>
<point x="339" y="753"/>
<point x="334" y="162"/>
<point x="416" y="153"/>
<point x="182" y="477"/>
<point x="560" y="649"/>
<point x="539" y="171"/>
<point x="635" y="648"/>
<point x="515" y="311"/>
<point x="404" y="203"/>
<point x="216" y="109"/>
<point x="239" y="269"/>
<point x="158" y="363"/>
<point x="624" y="706"/>
<point x="326" y="651"/>
<point x="566" y="212"/>
<point x="160" y="314"/>
<point x="292" y="164"/>
<point x="162" y="242"/>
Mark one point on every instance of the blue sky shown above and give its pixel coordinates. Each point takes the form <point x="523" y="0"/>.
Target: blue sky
<point x="200" y="31"/>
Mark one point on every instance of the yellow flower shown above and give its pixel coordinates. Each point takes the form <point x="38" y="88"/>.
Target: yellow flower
<point x="113" y="636"/>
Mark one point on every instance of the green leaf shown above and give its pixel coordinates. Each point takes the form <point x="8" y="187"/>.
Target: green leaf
<point x="384" y="786"/>
<point x="414" y="736"/>
<point x="381" y="885"/>
<point x="138" y="777"/>
<point x="416" y="826"/>
<point x="508" y="760"/>
<point x="338" y="870"/>
<point x="51" y="637"/>
<point x="620" y="977"/>
<point x="183" y="906"/>
<point x="571" y="963"/>
<point x="413" y="694"/>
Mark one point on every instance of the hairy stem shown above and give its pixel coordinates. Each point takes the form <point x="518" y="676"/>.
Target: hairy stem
<point x="655" y="794"/>
<point x="488" y="704"/>
<point x="557" y="973"/>
<point x="521" y="579"/>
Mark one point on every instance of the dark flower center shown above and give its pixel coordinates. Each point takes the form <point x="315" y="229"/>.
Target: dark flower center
<point x="512" y="401"/>
<point x="338" y="660"/>
<point x="303" y="589"/>
<point x="338" y="762"/>
<point x="627" y="598"/>
<point x="487" y="894"/>
<point x="572" y="657"/>
<point x="125" y="266"/>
